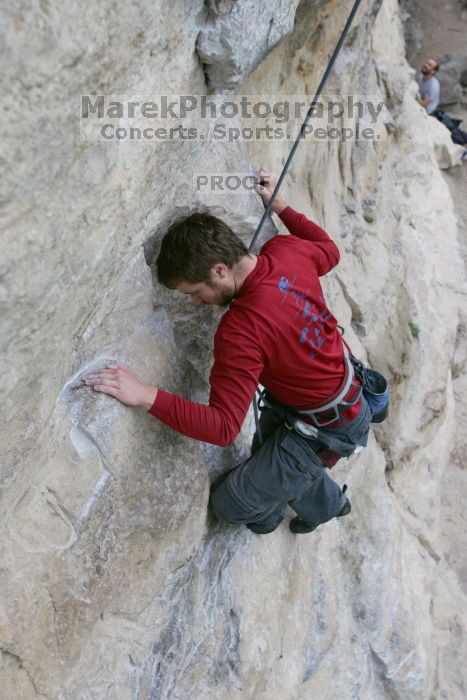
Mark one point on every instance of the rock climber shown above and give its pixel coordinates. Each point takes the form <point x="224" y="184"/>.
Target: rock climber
<point x="428" y="85"/>
<point x="276" y="331"/>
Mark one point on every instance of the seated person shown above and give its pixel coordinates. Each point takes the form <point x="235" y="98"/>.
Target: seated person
<point x="428" y="85"/>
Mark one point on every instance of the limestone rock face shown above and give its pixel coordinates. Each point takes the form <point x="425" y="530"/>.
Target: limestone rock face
<point x="239" y="34"/>
<point x="413" y="34"/>
<point x="115" y="582"/>
<point x="453" y="78"/>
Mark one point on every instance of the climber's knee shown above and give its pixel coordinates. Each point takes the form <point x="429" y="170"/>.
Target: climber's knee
<point x="225" y="507"/>
<point x="221" y="503"/>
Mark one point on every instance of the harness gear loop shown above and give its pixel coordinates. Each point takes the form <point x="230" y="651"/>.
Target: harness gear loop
<point x="292" y="421"/>
<point x="347" y="395"/>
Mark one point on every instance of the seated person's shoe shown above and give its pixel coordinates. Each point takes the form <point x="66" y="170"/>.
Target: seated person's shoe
<point x="300" y="526"/>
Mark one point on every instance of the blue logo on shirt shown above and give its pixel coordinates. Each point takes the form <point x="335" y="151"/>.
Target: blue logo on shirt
<point x="312" y="332"/>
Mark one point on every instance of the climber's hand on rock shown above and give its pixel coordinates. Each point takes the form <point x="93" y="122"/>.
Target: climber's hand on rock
<point x="265" y="187"/>
<point x="123" y="385"/>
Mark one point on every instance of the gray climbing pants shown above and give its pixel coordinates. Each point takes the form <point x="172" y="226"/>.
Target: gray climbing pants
<point x="285" y="469"/>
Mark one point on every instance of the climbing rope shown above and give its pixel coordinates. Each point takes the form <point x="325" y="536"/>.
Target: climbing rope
<point x="309" y="114"/>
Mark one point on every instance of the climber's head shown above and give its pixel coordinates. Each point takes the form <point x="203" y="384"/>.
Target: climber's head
<point x="200" y="256"/>
<point x="430" y="67"/>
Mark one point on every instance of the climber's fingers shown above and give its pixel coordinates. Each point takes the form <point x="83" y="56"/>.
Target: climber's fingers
<point x="102" y="380"/>
<point x="265" y="193"/>
<point x="266" y="180"/>
<point x="101" y="373"/>
<point x="109" y="371"/>
<point x="265" y="173"/>
<point x="263" y="179"/>
<point x="117" y="367"/>
<point x="122" y="384"/>
<point x="113" y="372"/>
<point x="108" y="381"/>
<point x="107" y="388"/>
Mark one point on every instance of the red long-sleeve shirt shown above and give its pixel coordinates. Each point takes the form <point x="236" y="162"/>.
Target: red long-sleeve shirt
<point x="277" y="332"/>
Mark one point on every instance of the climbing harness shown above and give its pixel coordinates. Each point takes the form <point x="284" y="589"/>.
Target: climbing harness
<point x="348" y="394"/>
<point x="371" y="383"/>
<point x="322" y="438"/>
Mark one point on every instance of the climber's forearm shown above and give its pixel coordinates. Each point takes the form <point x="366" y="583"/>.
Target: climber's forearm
<point x="278" y="205"/>
<point x="151" y="395"/>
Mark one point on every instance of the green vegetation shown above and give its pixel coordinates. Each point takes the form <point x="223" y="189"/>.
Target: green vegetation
<point x="414" y="329"/>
